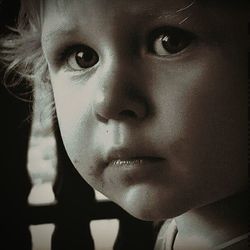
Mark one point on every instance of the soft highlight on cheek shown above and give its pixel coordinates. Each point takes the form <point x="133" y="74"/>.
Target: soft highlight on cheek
<point x="72" y="102"/>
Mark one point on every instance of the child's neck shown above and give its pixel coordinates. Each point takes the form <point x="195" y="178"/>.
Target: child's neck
<point x="213" y="224"/>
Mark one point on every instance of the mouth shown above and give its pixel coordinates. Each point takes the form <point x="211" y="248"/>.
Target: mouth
<point x="131" y="158"/>
<point x="134" y="162"/>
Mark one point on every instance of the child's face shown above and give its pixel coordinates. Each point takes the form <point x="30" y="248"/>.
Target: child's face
<point x="150" y="98"/>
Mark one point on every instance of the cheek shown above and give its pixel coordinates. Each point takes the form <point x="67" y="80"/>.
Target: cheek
<point x="217" y="124"/>
<point x="203" y="116"/>
<point x="203" y="97"/>
<point x="73" y="108"/>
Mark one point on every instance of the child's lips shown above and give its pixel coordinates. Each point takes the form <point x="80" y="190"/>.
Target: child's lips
<point x="130" y="165"/>
<point x="129" y="157"/>
<point x="134" y="162"/>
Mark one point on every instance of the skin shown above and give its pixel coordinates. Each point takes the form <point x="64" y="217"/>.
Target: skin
<point x="188" y="109"/>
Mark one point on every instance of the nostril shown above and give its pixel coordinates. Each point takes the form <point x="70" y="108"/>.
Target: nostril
<point x="122" y="115"/>
<point x="101" y="118"/>
<point x="128" y="113"/>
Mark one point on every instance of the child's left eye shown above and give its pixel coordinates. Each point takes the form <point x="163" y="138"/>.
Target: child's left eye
<point x="169" y="41"/>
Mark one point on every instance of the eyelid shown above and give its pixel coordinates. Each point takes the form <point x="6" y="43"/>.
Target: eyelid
<point x="170" y="29"/>
<point x="64" y="53"/>
<point x="164" y="30"/>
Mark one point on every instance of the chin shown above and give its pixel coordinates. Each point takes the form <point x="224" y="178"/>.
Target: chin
<point x="151" y="212"/>
<point x="149" y="206"/>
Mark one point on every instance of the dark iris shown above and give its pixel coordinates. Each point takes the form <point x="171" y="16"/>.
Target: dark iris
<point x="83" y="58"/>
<point x="169" y="41"/>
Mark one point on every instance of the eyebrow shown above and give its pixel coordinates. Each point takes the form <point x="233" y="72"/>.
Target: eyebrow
<point x="148" y="11"/>
<point x="186" y="7"/>
<point x="172" y="13"/>
<point x="58" y="32"/>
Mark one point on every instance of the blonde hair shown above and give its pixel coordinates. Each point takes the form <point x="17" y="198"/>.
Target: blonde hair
<point x="23" y="60"/>
<point x="21" y="51"/>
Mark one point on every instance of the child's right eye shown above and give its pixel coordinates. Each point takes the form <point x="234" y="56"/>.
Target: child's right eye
<point x="82" y="57"/>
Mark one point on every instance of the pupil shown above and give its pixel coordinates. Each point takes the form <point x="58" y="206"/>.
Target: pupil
<point x="83" y="57"/>
<point x="170" y="43"/>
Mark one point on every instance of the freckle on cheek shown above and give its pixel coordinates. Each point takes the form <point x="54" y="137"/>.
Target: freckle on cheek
<point x="76" y="162"/>
<point x="92" y="172"/>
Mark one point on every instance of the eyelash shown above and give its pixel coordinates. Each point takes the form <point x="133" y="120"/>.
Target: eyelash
<point x="179" y="38"/>
<point x="158" y="43"/>
<point x="68" y="52"/>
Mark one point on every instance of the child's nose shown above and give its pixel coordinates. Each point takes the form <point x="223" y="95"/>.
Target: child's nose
<point x="118" y="96"/>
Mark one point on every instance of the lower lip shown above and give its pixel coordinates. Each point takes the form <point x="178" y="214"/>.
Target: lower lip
<point x="136" y="169"/>
<point x="133" y="163"/>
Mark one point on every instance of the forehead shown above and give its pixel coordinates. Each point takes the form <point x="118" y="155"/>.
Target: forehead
<point x="131" y="6"/>
<point x="138" y="6"/>
<point x="102" y="14"/>
<point x="101" y="9"/>
<point x="105" y="15"/>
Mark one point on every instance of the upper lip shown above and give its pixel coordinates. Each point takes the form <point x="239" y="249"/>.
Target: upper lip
<point x="126" y="153"/>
